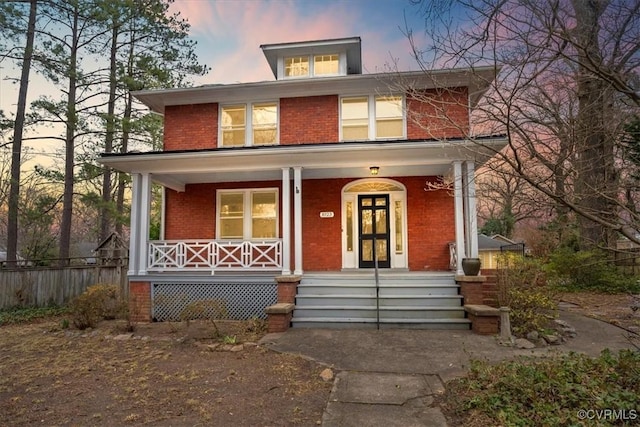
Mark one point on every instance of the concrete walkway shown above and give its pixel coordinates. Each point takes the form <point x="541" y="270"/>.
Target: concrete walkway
<point x="390" y="377"/>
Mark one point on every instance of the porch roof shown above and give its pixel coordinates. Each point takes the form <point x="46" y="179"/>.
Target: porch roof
<point x="176" y="169"/>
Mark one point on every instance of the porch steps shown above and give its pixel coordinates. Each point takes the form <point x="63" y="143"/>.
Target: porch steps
<point x="406" y="300"/>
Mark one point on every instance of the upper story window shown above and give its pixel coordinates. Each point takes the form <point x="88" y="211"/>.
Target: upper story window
<point x="239" y="130"/>
<point x="309" y="66"/>
<point x="325" y="64"/>
<point x="372" y="117"/>
<point x="296" y="67"/>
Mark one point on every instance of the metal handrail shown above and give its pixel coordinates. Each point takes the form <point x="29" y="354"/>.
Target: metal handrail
<point x="377" y="278"/>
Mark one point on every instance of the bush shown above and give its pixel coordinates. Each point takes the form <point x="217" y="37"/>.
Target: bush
<point x="522" y="286"/>
<point x="98" y="302"/>
<point x="547" y="392"/>
<point x="589" y="271"/>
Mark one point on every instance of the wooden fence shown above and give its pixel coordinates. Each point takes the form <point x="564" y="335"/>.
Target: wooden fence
<point x="44" y="286"/>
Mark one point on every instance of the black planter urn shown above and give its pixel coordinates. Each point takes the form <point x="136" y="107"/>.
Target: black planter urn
<point x="471" y="266"/>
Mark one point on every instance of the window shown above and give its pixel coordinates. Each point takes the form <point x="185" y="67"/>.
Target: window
<point x="233" y="126"/>
<point x="355" y="119"/>
<point x="296" y="66"/>
<point x="385" y="122"/>
<point x="325" y="64"/>
<point x="248" y="214"/>
<point x="238" y="130"/>
<point x="389" y="122"/>
<point x="265" y="124"/>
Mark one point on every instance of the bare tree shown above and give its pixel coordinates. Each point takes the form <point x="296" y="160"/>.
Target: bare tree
<point x="566" y="85"/>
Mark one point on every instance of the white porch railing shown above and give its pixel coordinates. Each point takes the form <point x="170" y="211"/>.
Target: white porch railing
<point x="453" y="256"/>
<point x="205" y="255"/>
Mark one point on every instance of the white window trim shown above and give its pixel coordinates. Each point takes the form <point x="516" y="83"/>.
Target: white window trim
<point x="372" y="118"/>
<point x="247" y="226"/>
<point x="342" y="65"/>
<point x="248" y="120"/>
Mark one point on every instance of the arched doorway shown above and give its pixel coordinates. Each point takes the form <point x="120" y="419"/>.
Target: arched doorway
<point x="374" y="222"/>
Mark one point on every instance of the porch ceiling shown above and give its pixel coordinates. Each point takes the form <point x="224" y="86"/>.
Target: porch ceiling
<point x="345" y="160"/>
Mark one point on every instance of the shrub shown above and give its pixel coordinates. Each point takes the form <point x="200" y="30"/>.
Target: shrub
<point x="588" y="271"/>
<point x="98" y="302"/>
<point x="547" y="392"/>
<point x="211" y="310"/>
<point x="522" y="286"/>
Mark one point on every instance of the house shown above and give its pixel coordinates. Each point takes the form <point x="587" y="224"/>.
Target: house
<point x="316" y="177"/>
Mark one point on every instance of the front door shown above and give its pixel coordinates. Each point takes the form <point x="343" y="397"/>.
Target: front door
<point x="373" y="211"/>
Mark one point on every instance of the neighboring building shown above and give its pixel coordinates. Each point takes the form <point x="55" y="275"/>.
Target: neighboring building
<point x="315" y="174"/>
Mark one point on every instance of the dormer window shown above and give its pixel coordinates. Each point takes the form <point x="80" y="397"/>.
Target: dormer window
<point x="310" y="66"/>
<point x="296" y="67"/>
<point x="319" y="58"/>
<point x="325" y="64"/>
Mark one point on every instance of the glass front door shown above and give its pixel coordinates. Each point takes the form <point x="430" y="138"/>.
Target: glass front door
<point x="373" y="227"/>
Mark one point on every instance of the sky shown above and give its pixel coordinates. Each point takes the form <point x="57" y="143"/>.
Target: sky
<point x="229" y="34"/>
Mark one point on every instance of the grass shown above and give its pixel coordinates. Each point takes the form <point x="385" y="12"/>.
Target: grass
<point x="549" y="392"/>
<point x="17" y="315"/>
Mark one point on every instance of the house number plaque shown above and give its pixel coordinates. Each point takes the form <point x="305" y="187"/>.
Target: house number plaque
<point x="326" y="214"/>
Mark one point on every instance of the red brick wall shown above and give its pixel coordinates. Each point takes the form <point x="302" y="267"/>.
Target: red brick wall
<point x="192" y="214"/>
<point x="322" y="237"/>
<point x="309" y="120"/>
<point x="191" y="127"/>
<point x="438" y="113"/>
<point x="430" y="225"/>
<point x="140" y="301"/>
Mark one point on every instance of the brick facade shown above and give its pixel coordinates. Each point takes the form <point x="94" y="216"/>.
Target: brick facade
<point x="438" y="113"/>
<point x="192" y="215"/>
<point x="309" y="120"/>
<point x="191" y="127"/>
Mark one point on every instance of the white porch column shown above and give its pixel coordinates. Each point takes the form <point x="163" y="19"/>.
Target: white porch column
<point x="143" y="236"/>
<point x="297" y="218"/>
<point x="471" y="211"/>
<point x="134" y="230"/>
<point x="286" y="221"/>
<point x="459" y="215"/>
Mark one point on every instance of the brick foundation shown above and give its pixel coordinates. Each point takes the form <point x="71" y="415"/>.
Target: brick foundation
<point x="483" y="325"/>
<point x="140" y="301"/>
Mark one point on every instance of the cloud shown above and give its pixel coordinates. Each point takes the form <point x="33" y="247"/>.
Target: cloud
<point x="229" y="33"/>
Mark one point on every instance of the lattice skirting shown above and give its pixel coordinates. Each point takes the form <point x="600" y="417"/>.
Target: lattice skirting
<point x="234" y="301"/>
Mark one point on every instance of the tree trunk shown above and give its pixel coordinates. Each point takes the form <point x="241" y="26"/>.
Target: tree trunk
<point x="14" y="190"/>
<point x="67" y="198"/>
<point x="105" y="211"/>
<point x="596" y="175"/>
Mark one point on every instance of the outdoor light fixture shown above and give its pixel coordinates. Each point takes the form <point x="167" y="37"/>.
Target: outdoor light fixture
<point x="374" y="170"/>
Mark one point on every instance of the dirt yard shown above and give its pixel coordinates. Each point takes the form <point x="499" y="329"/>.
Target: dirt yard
<point x="162" y="374"/>
<point x="615" y="309"/>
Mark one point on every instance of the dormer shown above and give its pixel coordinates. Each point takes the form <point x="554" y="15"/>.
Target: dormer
<point x="311" y="59"/>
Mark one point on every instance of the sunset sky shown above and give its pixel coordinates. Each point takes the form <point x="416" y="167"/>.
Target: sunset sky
<point x="229" y="34"/>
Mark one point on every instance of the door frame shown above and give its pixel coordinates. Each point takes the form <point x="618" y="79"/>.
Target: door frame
<point x="386" y="235"/>
<point x="399" y="251"/>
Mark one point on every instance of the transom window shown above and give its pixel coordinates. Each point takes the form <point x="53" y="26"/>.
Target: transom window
<point x="248" y="214"/>
<point x="237" y="130"/>
<point x="372" y="117"/>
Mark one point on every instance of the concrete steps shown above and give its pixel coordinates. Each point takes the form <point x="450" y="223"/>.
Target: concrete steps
<point x="411" y="300"/>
